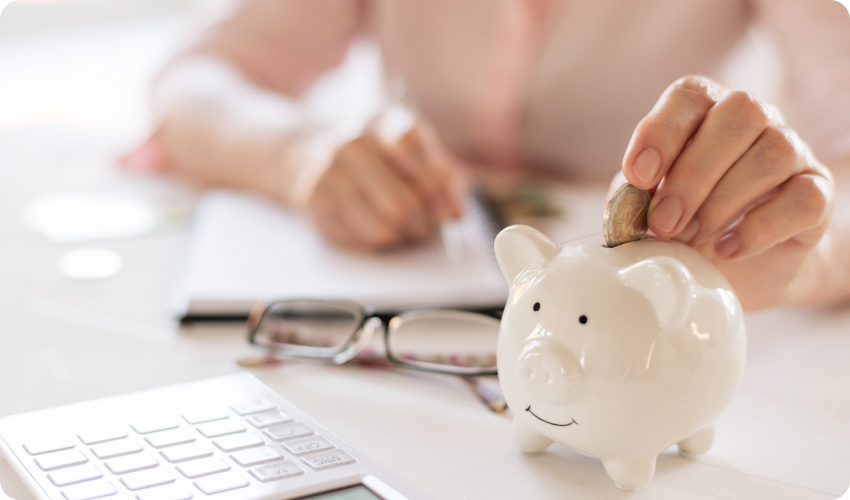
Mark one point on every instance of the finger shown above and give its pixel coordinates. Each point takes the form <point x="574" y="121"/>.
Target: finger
<point x="777" y="155"/>
<point x="422" y="160"/>
<point x="799" y="211"/>
<point x="446" y="172"/>
<point x="728" y="131"/>
<point x="349" y="220"/>
<point x="662" y="135"/>
<point x="149" y="157"/>
<point x="322" y="209"/>
<point x="381" y="187"/>
<point x="364" y="227"/>
<point x="616" y="182"/>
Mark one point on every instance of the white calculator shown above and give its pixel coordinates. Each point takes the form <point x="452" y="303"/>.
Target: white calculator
<point x="224" y="438"/>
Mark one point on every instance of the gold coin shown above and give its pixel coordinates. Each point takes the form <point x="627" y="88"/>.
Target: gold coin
<point x="625" y="216"/>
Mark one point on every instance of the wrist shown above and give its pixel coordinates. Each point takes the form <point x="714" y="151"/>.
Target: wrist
<point x="307" y="159"/>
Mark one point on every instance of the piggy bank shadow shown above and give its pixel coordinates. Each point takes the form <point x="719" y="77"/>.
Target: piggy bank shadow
<point x="560" y="464"/>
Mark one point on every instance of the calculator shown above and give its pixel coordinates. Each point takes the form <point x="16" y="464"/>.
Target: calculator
<point x="224" y="438"/>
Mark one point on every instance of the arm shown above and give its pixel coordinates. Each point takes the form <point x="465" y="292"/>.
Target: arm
<point x="230" y="116"/>
<point x="228" y="105"/>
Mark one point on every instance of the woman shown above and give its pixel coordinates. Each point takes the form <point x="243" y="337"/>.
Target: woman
<point x="540" y="86"/>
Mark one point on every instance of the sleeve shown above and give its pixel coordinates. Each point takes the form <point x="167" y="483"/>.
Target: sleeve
<point x="813" y="38"/>
<point x="284" y="45"/>
<point x="227" y="109"/>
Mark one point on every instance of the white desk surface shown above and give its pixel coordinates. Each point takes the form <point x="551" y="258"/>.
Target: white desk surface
<point x="786" y="434"/>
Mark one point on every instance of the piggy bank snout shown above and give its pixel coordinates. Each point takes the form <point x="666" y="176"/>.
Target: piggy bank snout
<point x="549" y="371"/>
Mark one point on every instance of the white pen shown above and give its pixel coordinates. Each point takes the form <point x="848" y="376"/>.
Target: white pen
<point x="450" y="242"/>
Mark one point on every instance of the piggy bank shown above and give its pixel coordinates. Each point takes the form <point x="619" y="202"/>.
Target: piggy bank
<point x="616" y="352"/>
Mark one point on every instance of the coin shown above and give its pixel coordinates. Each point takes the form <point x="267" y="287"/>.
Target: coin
<point x="625" y="216"/>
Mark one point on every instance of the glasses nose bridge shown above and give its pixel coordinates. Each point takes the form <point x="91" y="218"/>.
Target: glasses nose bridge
<point x="360" y="339"/>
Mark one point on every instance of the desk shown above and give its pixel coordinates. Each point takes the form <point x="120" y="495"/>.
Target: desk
<point x="786" y="434"/>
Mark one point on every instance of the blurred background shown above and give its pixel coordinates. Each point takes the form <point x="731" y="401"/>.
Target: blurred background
<point x="75" y="80"/>
<point x="74" y="84"/>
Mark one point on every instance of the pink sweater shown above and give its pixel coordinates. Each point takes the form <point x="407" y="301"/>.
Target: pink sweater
<point x="552" y="84"/>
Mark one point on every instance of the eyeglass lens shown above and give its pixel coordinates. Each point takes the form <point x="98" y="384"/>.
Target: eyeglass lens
<point x="445" y="340"/>
<point x="317" y="325"/>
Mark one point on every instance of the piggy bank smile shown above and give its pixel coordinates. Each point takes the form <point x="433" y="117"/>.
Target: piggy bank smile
<point x="644" y="344"/>
<point x="572" y="421"/>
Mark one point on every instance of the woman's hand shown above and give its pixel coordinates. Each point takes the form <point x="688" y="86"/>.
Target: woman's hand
<point x="732" y="181"/>
<point x="387" y="188"/>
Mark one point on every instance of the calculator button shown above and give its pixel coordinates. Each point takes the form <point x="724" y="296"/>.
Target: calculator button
<point x="238" y="442"/>
<point x="88" y="491"/>
<point x="101" y="435"/>
<point x="247" y="458"/>
<point x="203" y="467"/>
<point x="169" y="438"/>
<point x="170" y="492"/>
<point x="48" y="446"/>
<point x="288" y="431"/>
<point x="220" y="428"/>
<point x="201" y="416"/>
<point x="278" y="470"/>
<point x="115" y="449"/>
<point x="185" y="452"/>
<point x="60" y="459"/>
<point x="328" y="459"/>
<point x="310" y="445"/>
<point x="254" y="407"/>
<point x="147" y="479"/>
<point x="64" y="477"/>
<point x="131" y="463"/>
<point x="266" y="419"/>
<point x="154" y="425"/>
<point x="221" y="482"/>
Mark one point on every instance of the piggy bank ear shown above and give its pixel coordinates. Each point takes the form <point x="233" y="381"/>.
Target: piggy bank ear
<point x="667" y="284"/>
<point x="520" y="247"/>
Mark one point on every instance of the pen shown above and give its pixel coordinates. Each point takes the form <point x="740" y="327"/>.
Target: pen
<point x="449" y="239"/>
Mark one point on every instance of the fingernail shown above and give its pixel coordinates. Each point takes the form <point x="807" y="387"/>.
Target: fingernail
<point x="687" y="234"/>
<point x="647" y="164"/>
<point x="727" y="245"/>
<point x="666" y="214"/>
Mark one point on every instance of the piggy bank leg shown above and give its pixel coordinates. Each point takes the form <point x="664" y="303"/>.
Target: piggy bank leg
<point x="630" y="473"/>
<point x="529" y="440"/>
<point x="697" y="443"/>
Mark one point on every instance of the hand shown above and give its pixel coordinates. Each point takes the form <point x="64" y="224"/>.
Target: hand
<point x="732" y="181"/>
<point x="385" y="190"/>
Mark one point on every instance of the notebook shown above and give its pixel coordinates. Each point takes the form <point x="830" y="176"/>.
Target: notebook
<point x="245" y="249"/>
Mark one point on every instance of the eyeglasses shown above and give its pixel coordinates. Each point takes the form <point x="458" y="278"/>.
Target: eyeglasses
<point x="456" y="342"/>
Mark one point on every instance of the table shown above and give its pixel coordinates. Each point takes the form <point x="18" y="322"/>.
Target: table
<point x="786" y="434"/>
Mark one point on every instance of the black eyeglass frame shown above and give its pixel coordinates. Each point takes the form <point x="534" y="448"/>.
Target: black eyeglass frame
<point x="367" y="321"/>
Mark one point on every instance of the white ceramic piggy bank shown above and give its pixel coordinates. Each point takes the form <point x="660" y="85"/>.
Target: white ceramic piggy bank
<point x="616" y="352"/>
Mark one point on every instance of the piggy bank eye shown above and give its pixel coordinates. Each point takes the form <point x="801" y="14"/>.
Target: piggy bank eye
<point x="536" y="306"/>
<point x="582" y="319"/>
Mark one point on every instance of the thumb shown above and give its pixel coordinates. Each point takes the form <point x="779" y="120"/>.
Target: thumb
<point x="150" y="157"/>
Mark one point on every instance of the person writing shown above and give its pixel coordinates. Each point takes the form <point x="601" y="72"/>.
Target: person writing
<point x="539" y="87"/>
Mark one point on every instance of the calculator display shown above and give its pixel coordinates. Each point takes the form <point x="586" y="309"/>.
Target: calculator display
<point x="352" y="493"/>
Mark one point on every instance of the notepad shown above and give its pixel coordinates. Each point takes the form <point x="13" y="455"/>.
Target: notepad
<point x="245" y="249"/>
